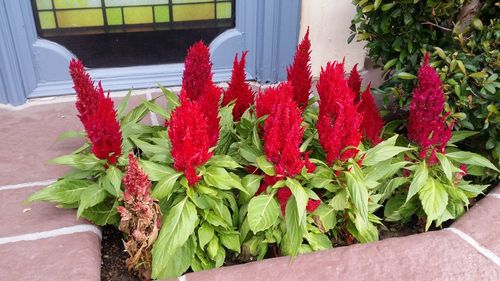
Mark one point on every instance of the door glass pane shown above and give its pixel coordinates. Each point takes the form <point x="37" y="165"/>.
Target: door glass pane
<point x="107" y="33"/>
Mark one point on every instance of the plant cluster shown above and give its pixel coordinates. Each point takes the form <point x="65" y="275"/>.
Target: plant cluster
<point x="463" y="37"/>
<point x="236" y="176"/>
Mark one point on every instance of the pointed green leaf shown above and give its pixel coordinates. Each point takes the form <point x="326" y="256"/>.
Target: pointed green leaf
<point x="265" y="165"/>
<point x="419" y="180"/>
<point x="434" y="199"/>
<point x="165" y="186"/>
<point x="263" y="211"/>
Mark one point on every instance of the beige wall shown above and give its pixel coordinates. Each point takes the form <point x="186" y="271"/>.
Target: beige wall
<point x="329" y="22"/>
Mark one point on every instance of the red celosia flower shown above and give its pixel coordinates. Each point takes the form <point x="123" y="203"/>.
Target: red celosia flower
<point x="209" y="104"/>
<point x="266" y="100"/>
<point x="283" y="194"/>
<point x="355" y="82"/>
<point x="312" y="205"/>
<point x="188" y="133"/>
<point x="238" y="89"/>
<point x="137" y="184"/>
<point x="103" y="131"/>
<point x="299" y="73"/>
<point x="339" y="122"/>
<point x="307" y="162"/>
<point x="427" y="124"/>
<point x="283" y="136"/>
<point x="197" y="70"/>
<point x="87" y="96"/>
<point x="372" y="120"/>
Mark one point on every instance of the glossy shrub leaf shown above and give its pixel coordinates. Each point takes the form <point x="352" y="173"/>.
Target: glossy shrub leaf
<point x="263" y="211"/>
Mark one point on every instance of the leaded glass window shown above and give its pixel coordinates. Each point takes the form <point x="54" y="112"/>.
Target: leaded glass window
<point x="125" y="27"/>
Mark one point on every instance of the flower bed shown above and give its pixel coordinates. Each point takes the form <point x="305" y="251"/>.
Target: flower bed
<point x="234" y="175"/>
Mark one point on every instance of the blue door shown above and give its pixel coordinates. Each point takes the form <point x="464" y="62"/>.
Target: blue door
<point x="138" y="43"/>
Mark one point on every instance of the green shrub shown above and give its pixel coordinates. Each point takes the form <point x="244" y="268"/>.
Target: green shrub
<point x="462" y="37"/>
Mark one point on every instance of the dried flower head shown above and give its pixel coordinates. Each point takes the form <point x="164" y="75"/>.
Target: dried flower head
<point x="137" y="184"/>
<point x="238" y="90"/>
<point x="299" y="73"/>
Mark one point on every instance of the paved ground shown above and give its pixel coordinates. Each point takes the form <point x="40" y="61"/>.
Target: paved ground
<point x="41" y="242"/>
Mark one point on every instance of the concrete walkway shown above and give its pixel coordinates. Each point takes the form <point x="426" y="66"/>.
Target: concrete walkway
<point x="39" y="241"/>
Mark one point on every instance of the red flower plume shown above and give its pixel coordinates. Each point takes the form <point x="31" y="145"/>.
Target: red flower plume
<point x="339" y="123"/>
<point x="299" y="73"/>
<point x="197" y="70"/>
<point x="197" y="86"/>
<point x="137" y="184"/>
<point x="87" y="96"/>
<point x="188" y="132"/>
<point x="372" y="120"/>
<point x="238" y="89"/>
<point x="103" y="130"/>
<point x="265" y="101"/>
<point x="427" y="124"/>
<point x="283" y="136"/>
<point x="355" y="82"/>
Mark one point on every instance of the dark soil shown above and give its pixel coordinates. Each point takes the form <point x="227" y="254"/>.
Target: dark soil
<point x="113" y="256"/>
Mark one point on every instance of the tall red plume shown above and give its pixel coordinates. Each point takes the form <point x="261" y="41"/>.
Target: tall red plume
<point x="238" y="89"/>
<point x="299" y="73"/>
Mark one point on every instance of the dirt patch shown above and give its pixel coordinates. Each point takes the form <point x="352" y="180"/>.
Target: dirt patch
<point x="113" y="256"/>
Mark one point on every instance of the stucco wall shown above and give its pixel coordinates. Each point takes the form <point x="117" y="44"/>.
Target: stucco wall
<point x="329" y="22"/>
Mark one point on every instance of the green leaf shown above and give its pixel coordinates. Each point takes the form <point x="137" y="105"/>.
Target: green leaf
<point x="266" y="166"/>
<point x="231" y="240"/>
<point x="62" y="191"/>
<point x="406" y="76"/>
<point x="358" y="193"/>
<point x="318" y="241"/>
<point x="71" y="134"/>
<point x="383" y="151"/>
<point x="294" y="230"/>
<point x="249" y="153"/>
<point x="178" y="261"/>
<point x="300" y="196"/>
<point x="92" y="196"/>
<point x="213" y="247"/>
<point x="102" y="214"/>
<point x="165" y="186"/>
<point x="390" y="63"/>
<point x="120" y="112"/>
<point x="135" y="115"/>
<point x="324" y="217"/>
<point x="419" y="180"/>
<point x="114" y="176"/>
<point x="179" y="224"/>
<point x="205" y="234"/>
<point x="471" y="159"/>
<point x="461" y="135"/>
<point x="223" y="161"/>
<point x="149" y="148"/>
<point x="263" y="211"/>
<point x="156" y="109"/>
<point x="251" y="183"/>
<point x="376" y="4"/>
<point x="221" y="179"/>
<point x="78" y="161"/>
<point x="446" y="166"/>
<point x="172" y="99"/>
<point x="155" y="171"/>
<point x="389" y="187"/>
<point x="339" y="202"/>
<point x="434" y="200"/>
